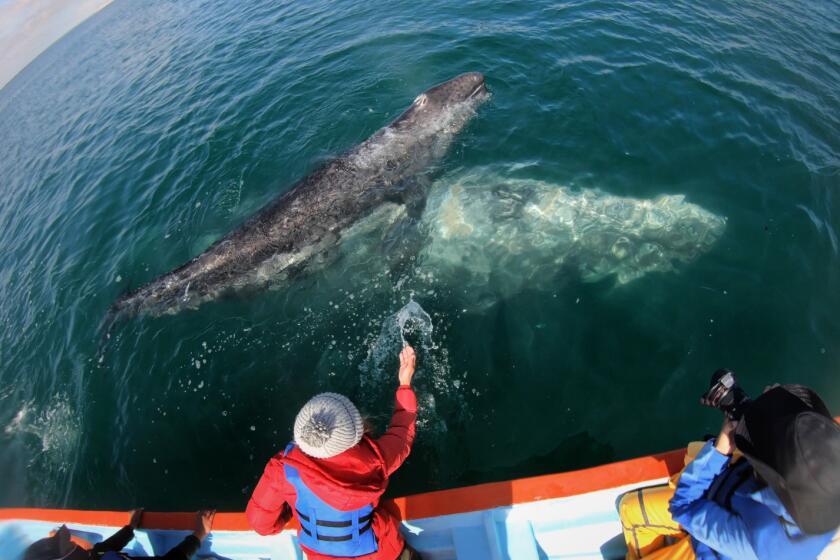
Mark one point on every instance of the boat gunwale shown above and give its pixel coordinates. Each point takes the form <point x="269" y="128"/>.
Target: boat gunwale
<point x="418" y="506"/>
<point x="437" y="503"/>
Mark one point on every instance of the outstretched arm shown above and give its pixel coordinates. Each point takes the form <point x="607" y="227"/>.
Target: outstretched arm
<point x="395" y="443"/>
<point x="121" y="538"/>
<point x="192" y="543"/>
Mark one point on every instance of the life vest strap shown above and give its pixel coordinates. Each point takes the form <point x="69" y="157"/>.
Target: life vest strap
<point x="349" y="533"/>
<point x="342" y="538"/>
<point x="364" y="519"/>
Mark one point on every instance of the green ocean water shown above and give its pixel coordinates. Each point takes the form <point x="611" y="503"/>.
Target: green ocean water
<point x="154" y="128"/>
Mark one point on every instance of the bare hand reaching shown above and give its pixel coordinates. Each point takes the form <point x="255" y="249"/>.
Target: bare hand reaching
<point x="203" y="523"/>
<point x="407" y="361"/>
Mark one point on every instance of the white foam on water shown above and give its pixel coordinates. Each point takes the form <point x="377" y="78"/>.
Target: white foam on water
<point x="54" y="430"/>
<point x="231" y="196"/>
<point x="413" y="319"/>
<point x="14" y="425"/>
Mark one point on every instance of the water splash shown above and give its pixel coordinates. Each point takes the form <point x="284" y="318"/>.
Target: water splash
<point x="52" y="432"/>
<point x="415" y="322"/>
<point x="410" y="325"/>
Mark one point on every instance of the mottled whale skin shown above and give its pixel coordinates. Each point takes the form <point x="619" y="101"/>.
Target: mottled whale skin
<point x="306" y="221"/>
<point x="494" y="233"/>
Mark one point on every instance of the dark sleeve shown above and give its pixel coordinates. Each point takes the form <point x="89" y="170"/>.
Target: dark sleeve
<point x="185" y="549"/>
<point x="115" y="542"/>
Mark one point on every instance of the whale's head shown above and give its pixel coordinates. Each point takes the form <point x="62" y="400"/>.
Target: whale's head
<point x="445" y="107"/>
<point x="460" y="89"/>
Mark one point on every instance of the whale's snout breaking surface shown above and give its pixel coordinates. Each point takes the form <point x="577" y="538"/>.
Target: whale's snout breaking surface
<point x="444" y="106"/>
<point x="458" y="89"/>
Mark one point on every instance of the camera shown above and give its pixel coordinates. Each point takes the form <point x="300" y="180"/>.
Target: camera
<point x="726" y="395"/>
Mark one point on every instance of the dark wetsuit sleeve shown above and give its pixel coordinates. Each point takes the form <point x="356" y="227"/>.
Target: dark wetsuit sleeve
<point x="185" y="549"/>
<point x="115" y="542"/>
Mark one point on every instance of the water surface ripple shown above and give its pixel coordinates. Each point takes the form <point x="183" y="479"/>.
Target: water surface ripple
<point x="156" y="127"/>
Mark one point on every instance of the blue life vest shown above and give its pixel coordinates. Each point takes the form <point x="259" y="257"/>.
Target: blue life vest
<point x="327" y="530"/>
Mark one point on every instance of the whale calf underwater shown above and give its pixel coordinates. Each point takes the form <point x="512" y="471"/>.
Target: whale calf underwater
<point x="489" y="231"/>
<point x="303" y="224"/>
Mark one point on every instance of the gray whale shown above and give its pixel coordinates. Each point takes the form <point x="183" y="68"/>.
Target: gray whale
<point x="304" y="223"/>
<point x="493" y="232"/>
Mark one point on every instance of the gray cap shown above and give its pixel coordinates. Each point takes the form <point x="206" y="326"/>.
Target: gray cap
<point x="329" y="424"/>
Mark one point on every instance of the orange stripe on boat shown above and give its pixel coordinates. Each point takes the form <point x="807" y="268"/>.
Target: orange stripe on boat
<point x="547" y="487"/>
<point x="430" y="504"/>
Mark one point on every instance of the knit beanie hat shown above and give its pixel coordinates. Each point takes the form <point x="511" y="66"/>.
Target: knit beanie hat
<point x="327" y="425"/>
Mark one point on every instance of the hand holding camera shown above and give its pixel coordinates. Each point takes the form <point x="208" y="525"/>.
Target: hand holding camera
<point x="726" y="395"/>
<point x="725" y="443"/>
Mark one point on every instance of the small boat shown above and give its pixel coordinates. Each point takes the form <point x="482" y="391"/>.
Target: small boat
<point x="571" y="515"/>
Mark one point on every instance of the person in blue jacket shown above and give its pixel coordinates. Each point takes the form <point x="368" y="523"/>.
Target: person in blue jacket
<point x="777" y="498"/>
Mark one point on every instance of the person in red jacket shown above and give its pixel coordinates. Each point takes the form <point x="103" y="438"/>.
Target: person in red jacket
<point x="332" y="476"/>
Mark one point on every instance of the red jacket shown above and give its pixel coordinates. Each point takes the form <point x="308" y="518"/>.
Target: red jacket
<point x="348" y="481"/>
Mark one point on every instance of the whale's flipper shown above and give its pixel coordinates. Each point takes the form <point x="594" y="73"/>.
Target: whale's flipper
<point x="411" y="193"/>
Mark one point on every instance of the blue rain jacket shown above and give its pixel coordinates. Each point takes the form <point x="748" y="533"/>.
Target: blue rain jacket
<point x="729" y="515"/>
